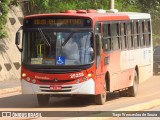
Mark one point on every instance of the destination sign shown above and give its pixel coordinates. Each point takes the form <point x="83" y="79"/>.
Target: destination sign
<point x="58" y="22"/>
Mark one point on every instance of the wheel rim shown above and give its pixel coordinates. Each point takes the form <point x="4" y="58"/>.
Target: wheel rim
<point x="103" y="95"/>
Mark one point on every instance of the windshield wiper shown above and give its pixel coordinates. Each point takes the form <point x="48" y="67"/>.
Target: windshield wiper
<point x="67" y="39"/>
<point x="43" y="37"/>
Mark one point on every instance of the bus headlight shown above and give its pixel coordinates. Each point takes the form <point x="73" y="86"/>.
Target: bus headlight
<point x="90" y="75"/>
<point x="24" y="75"/>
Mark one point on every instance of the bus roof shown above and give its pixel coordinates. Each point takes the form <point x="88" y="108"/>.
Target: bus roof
<point x="97" y="16"/>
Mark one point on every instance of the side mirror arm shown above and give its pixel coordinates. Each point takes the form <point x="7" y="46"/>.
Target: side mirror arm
<point x="18" y="39"/>
<point x="20" y="49"/>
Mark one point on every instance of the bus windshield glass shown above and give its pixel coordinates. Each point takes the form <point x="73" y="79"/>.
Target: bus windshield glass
<point x="50" y="47"/>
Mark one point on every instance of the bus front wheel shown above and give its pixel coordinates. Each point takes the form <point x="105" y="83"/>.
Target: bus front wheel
<point x="100" y="99"/>
<point x="132" y="91"/>
<point x="43" y="100"/>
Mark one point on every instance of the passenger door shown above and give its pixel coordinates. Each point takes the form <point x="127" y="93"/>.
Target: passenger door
<point x="99" y="82"/>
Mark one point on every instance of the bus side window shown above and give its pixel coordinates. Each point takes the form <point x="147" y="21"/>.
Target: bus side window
<point x="107" y="44"/>
<point x="98" y="28"/>
<point x="106" y="30"/>
<point x="149" y="29"/>
<point x="106" y="37"/>
<point x="98" y="42"/>
<point x="123" y="36"/>
<point x="115" y="36"/>
<point x="147" y="33"/>
<point x="135" y="36"/>
<point x="141" y="32"/>
<point x="129" y="35"/>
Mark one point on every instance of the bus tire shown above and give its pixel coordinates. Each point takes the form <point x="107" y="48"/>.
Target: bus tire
<point x="100" y="99"/>
<point x="132" y="91"/>
<point x="43" y="100"/>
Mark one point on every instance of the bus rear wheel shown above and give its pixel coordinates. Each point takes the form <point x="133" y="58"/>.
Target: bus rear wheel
<point x="132" y="91"/>
<point x="43" y="100"/>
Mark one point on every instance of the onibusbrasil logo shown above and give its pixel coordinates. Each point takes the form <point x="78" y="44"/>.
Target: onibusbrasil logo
<point x="21" y="114"/>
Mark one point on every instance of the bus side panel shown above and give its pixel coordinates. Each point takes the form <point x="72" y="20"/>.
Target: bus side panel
<point x="142" y="58"/>
<point x="114" y="70"/>
<point x="145" y="63"/>
<point x="100" y="77"/>
<point x="127" y="64"/>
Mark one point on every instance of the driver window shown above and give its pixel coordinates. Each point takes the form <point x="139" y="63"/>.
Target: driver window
<point x="98" y="42"/>
<point x="106" y="37"/>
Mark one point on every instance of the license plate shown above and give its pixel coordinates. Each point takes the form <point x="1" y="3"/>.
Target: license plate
<point x="55" y="87"/>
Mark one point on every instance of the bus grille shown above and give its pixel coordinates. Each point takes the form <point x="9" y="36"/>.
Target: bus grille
<point x="64" y="89"/>
<point x="55" y="90"/>
<point x="53" y="81"/>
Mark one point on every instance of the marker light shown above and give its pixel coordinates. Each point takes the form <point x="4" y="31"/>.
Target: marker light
<point x="78" y="81"/>
<point x="24" y="75"/>
<point x="28" y="79"/>
<point x="84" y="78"/>
<point x="33" y="81"/>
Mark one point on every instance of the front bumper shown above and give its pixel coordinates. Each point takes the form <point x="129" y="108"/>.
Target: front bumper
<point x="87" y="87"/>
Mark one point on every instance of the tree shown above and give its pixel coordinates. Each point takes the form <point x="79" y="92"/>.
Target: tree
<point x="152" y="7"/>
<point x="45" y="6"/>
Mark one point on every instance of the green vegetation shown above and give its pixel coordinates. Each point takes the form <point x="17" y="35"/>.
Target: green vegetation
<point x="48" y="6"/>
<point x="152" y="7"/>
<point x="52" y="6"/>
<point x="45" y="6"/>
<point x="3" y="17"/>
<point x="4" y="8"/>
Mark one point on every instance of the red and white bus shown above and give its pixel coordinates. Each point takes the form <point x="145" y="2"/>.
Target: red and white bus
<point x="85" y="52"/>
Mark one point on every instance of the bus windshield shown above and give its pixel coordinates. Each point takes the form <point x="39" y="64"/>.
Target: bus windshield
<point x="51" y="47"/>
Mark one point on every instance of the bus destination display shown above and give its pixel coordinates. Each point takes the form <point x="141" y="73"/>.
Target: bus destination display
<point x="58" y="22"/>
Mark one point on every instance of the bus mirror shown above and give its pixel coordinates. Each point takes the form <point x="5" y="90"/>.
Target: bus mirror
<point x="17" y="41"/>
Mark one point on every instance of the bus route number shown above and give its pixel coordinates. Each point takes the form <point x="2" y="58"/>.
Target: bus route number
<point x="76" y="75"/>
